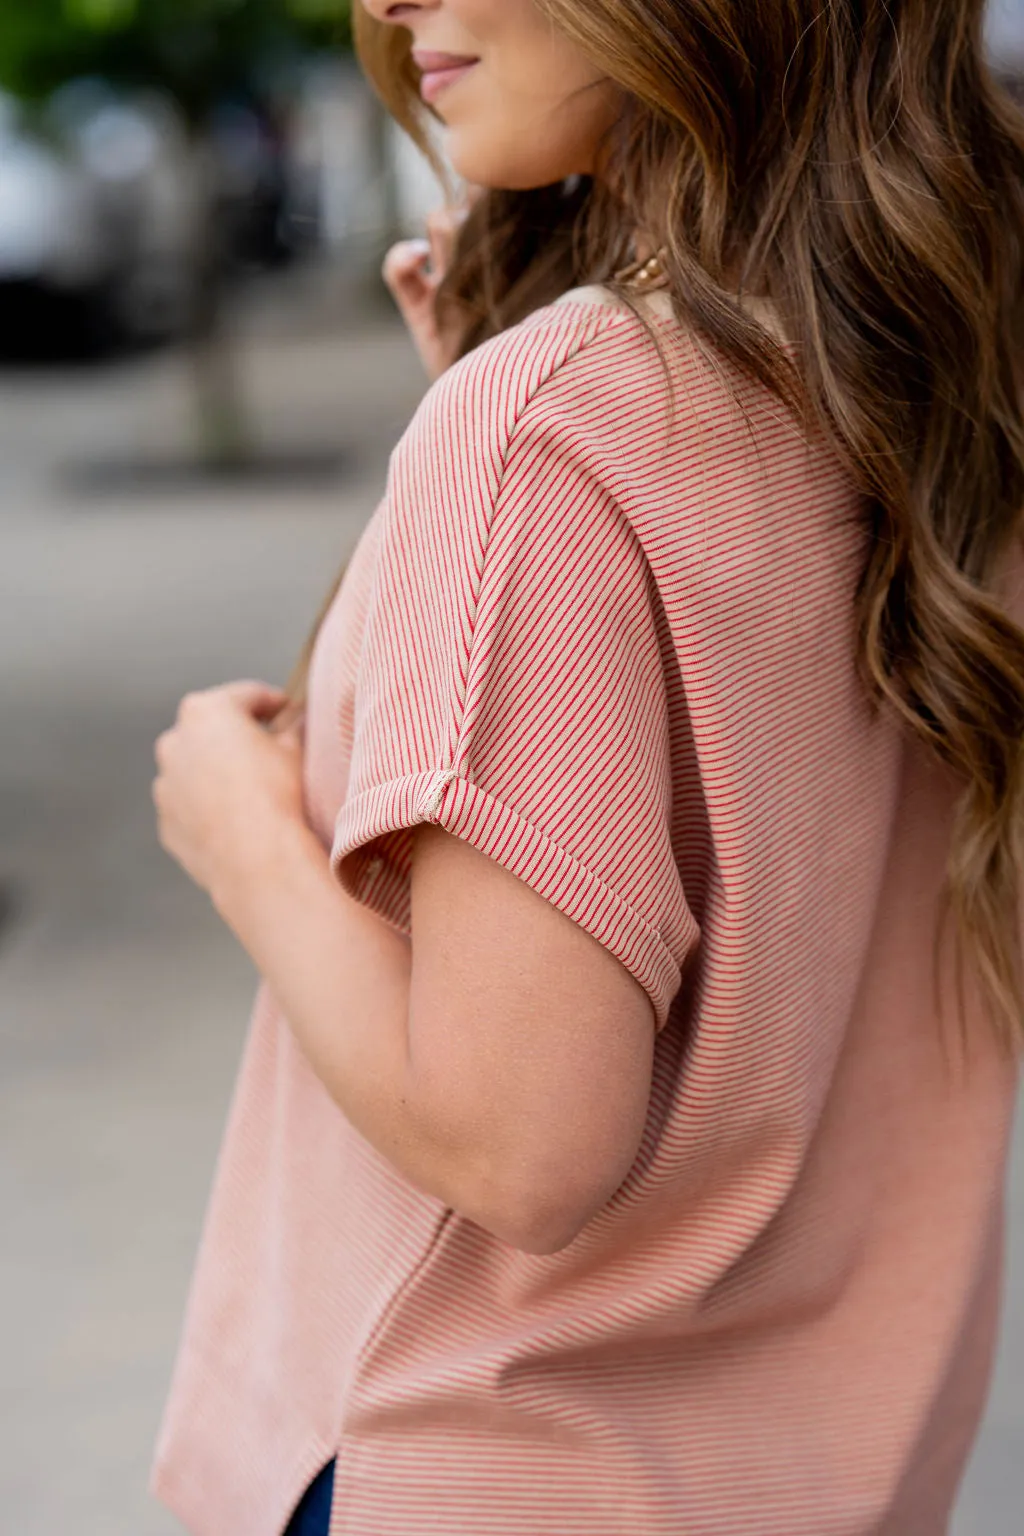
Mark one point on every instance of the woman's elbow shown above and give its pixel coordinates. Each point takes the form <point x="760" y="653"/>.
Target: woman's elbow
<point x="531" y="1220"/>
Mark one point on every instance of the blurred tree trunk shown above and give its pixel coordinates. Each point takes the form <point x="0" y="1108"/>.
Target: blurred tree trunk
<point x="223" y="427"/>
<point x="381" y="143"/>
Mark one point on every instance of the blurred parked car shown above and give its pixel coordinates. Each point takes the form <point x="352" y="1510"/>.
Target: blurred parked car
<point x="254" y="168"/>
<point x="97" y="210"/>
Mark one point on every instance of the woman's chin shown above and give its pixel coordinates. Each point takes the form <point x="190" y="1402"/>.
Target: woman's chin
<point x="500" y="166"/>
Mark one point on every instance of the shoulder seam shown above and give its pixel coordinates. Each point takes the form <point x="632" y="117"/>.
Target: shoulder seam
<point x="454" y="767"/>
<point x="609" y="313"/>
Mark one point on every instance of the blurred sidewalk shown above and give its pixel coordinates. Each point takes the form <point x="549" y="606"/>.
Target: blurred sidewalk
<point x="122" y="1000"/>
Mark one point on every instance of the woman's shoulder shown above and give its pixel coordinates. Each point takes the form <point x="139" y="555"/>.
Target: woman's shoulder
<point x="584" y="342"/>
<point x="529" y="393"/>
<point x="512" y="366"/>
<point x="578" y="328"/>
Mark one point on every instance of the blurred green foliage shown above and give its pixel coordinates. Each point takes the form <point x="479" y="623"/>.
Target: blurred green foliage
<point x="196" y="50"/>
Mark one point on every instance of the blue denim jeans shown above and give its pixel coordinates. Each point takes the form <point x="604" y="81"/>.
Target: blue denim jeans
<point x="313" y="1511"/>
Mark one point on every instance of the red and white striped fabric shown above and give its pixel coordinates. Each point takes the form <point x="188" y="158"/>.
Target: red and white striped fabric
<point x="605" y="633"/>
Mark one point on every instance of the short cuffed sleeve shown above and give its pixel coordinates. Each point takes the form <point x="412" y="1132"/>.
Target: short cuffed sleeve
<point x="511" y="686"/>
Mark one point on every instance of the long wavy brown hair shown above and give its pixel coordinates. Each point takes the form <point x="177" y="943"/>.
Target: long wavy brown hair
<point x="855" y="163"/>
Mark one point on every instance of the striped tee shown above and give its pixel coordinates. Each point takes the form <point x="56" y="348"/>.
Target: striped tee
<point x="602" y="628"/>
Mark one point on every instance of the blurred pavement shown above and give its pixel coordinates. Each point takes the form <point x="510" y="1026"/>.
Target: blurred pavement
<point x="122" y="1000"/>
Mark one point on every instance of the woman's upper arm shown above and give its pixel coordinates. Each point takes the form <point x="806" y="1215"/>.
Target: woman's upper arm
<point x="531" y="1047"/>
<point x="510" y="792"/>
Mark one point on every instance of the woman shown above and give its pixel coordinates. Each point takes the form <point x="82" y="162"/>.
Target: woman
<point x="620" y="1140"/>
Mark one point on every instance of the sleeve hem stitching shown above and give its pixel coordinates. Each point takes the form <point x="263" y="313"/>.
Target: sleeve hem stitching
<point x="500" y="832"/>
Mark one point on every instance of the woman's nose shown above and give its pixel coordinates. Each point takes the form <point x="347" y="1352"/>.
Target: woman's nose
<point x="399" y="12"/>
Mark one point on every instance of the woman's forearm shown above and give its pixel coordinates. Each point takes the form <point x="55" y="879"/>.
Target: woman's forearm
<point x="341" y="976"/>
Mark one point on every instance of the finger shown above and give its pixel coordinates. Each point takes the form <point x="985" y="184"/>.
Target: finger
<point x="443" y="227"/>
<point x="405" y="269"/>
<point x="261" y="701"/>
<point x="290" y="739"/>
<point x="161" y="747"/>
<point x="288" y="719"/>
<point x="188" y="704"/>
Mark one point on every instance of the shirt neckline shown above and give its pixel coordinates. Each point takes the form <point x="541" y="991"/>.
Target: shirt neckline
<point x="659" y="304"/>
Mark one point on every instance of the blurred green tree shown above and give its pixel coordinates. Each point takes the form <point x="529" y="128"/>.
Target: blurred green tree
<point x="197" y="52"/>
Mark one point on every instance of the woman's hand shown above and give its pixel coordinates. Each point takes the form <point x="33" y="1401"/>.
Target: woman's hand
<point x="227" y="786"/>
<point x="413" y="271"/>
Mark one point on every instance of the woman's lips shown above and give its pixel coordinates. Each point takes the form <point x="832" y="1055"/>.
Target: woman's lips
<point x="439" y="70"/>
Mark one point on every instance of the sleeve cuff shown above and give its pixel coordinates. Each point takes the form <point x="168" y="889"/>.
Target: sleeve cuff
<point x="495" y="829"/>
